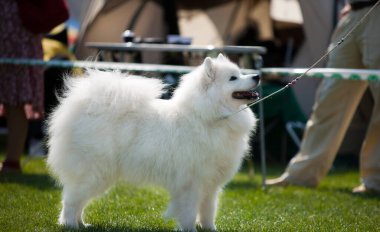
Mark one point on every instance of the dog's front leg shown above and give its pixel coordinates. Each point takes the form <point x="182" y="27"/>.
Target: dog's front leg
<point x="207" y="210"/>
<point x="184" y="206"/>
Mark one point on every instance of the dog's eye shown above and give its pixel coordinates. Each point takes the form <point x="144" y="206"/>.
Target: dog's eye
<point x="233" y="78"/>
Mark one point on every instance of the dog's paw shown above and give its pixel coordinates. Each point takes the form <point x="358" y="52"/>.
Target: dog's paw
<point x="85" y="225"/>
<point x="68" y="224"/>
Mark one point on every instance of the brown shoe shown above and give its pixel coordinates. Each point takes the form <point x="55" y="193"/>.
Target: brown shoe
<point x="277" y="182"/>
<point x="10" y="167"/>
<point x="362" y="189"/>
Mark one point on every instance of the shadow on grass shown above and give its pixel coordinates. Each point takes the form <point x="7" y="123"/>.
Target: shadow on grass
<point x="369" y="195"/>
<point x="101" y="228"/>
<point x="249" y="184"/>
<point x="39" y="181"/>
<point x="348" y="191"/>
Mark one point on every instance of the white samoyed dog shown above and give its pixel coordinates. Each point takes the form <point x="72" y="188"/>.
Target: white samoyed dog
<point x="111" y="127"/>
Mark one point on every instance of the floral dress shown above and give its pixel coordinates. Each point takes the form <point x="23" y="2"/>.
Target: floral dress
<point x="19" y="85"/>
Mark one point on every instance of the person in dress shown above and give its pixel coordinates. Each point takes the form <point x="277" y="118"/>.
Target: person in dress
<point x="21" y="87"/>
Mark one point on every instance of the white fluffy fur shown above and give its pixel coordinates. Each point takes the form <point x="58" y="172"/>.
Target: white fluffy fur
<point x="109" y="127"/>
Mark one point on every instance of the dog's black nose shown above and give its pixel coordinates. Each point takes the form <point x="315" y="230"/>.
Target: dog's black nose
<point x="256" y="77"/>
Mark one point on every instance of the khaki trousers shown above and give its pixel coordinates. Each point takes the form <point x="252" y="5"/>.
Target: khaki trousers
<point x="335" y="105"/>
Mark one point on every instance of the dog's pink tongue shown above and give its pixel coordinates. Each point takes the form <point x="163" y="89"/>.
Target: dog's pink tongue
<point x="246" y="95"/>
<point x="250" y="94"/>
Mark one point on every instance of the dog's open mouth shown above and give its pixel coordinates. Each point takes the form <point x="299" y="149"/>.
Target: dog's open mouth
<point x="246" y="95"/>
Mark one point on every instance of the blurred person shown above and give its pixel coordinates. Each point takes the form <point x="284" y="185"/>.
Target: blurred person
<point x="21" y="87"/>
<point x="336" y="102"/>
<point x="55" y="47"/>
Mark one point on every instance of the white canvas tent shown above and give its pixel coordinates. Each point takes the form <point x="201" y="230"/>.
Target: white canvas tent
<point x="105" y="20"/>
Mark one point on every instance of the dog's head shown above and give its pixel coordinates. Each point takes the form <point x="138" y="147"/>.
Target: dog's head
<point x="224" y="79"/>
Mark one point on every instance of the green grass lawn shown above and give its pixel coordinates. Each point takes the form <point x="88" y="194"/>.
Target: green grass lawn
<point x="31" y="202"/>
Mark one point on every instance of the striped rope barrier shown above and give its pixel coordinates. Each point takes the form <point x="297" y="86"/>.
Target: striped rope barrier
<point x="335" y="73"/>
<point x="348" y="74"/>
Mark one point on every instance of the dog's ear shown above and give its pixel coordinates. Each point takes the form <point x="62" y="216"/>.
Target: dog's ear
<point x="221" y="57"/>
<point x="209" y="67"/>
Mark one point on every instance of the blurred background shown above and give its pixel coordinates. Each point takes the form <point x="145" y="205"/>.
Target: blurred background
<point x="295" y="33"/>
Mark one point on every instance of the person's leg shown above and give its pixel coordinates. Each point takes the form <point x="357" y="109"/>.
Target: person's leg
<point x="17" y="130"/>
<point x="324" y="131"/>
<point x="370" y="153"/>
<point x="333" y="110"/>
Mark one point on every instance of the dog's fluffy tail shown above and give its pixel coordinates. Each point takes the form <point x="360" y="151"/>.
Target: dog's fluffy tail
<point x="112" y="91"/>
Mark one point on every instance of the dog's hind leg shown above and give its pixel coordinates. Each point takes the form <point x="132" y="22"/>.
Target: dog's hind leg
<point x="74" y="199"/>
<point x="207" y="210"/>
